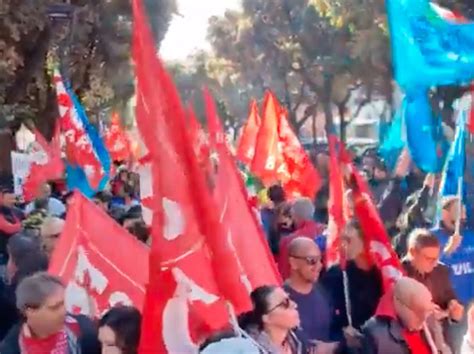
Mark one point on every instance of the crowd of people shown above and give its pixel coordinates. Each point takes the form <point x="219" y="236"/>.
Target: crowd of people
<point x="320" y="308"/>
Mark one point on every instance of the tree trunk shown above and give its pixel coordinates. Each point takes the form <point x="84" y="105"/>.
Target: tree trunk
<point x="343" y="123"/>
<point x="7" y="145"/>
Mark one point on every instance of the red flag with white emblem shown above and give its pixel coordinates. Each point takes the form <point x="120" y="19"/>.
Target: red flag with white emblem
<point x="241" y="230"/>
<point x="47" y="165"/>
<point x="184" y="218"/>
<point x="248" y="139"/>
<point x="268" y="162"/>
<point x="376" y="240"/>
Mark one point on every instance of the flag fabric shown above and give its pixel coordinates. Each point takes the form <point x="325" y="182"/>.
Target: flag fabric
<point x="46" y="166"/>
<point x="470" y="124"/>
<point x="279" y="156"/>
<point x="376" y="240"/>
<point x="116" y="140"/>
<point x="394" y="140"/>
<point x="268" y="163"/>
<point x="246" y="145"/>
<point x="185" y="225"/>
<point x="456" y="160"/>
<point x="337" y="220"/>
<point x="241" y="230"/>
<point x="424" y="132"/>
<point x="98" y="275"/>
<point x="88" y="161"/>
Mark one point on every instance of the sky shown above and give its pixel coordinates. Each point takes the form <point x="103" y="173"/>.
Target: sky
<point x="188" y="33"/>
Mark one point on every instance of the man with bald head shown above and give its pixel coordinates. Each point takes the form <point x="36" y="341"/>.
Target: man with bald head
<point x="304" y="258"/>
<point x="398" y="327"/>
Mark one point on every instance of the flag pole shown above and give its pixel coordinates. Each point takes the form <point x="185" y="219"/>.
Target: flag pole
<point x="458" y="219"/>
<point x="347" y="299"/>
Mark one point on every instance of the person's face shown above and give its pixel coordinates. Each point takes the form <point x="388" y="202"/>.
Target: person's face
<point x="352" y="243"/>
<point x="49" y="317"/>
<point x="414" y="313"/>
<point x="307" y="264"/>
<point x="8" y="200"/>
<point x="450" y="215"/>
<point x="380" y="174"/>
<point x="322" y="161"/>
<point x="123" y="176"/>
<point x="49" y="243"/>
<point x="425" y="259"/>
<point x="45" y="192"/>
<point x="108" y="341"/>
<point x="284" y="219"/>
<point x="281" y="312"/>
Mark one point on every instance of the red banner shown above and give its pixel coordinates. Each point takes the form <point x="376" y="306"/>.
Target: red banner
<point x="101" y="263"/>
<point x="248" y="139"/>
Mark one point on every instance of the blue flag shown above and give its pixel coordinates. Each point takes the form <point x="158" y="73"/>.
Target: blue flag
<point x="455" y="163"/>
<point x="393" y="139"/>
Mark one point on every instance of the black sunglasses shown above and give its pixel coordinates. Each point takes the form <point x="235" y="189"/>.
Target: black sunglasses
<point x="285" y="304"/>
<point x="309" y="259"/>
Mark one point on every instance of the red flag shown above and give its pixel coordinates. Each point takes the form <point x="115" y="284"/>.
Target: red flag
<point x="185" y="225"/>
<point x="279" y="156"/>
<point x="376" y="239"/>
<point x="337" y="219"/>
<point x="242" y="231"/>
<point x="470" y="124"/>
<point x="117" y="141"/>
<point x="98" y="275"/>
<point x="268" y="163"/>
<point x="47" y="167"/>
<point x="248" y="139"/>
<point x="304" y="179"/>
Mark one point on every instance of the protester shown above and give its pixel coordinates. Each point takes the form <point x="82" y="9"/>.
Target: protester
<point x="458" y="248"/>
<point x="304" y="289"/>
<point x="50" y="231"/>
<point x="119" y="330"/>
<point x="25" y="259"/>
<point x="398" y="326"/>
<point x="413" y="215"/>
<point x="125" y="198"/>
<point x="302" y="213"/>
<point x="364" y="282"/>
<point x="422" y="264"/>
<point x="103" y="199"/>
<point x="46" y="327"/>
<point x="54" y="206"/>
<point x="277" y="196"/>
<point x="10" y="223"/>
<point x="272" y="320"/>
<point x="282" y="226"/>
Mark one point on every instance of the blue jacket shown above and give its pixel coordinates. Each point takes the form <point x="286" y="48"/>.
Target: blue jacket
<point x="461" y="263"/>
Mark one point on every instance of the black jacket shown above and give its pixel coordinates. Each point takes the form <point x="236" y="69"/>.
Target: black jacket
<point x="365" y="291"/>
<point x="88" y="338"/>
<point x="383" y="335"/>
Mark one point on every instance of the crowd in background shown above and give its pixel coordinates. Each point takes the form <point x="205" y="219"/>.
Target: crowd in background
<point x="319" y="309"/>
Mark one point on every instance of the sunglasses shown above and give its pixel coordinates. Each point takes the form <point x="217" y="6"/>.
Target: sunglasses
<point x="309" y="259"/>
<point x="285" y="304"/>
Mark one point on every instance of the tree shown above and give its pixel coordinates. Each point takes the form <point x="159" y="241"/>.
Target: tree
<point x="321" y="54"/>
<point x="92" y="46"/>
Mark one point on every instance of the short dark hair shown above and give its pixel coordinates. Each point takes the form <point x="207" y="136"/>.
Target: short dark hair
<point x="103" y="197"/>
<point x="125" y="321"/>
<point x="422" y="238"/>
<point x="276" y="194"/>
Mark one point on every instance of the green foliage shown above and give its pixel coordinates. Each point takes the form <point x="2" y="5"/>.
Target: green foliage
<point x="93" y="48"/>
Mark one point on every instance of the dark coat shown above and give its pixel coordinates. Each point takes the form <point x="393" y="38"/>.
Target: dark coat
<point x="383" y="335"/>
<point x="88" y="338"/>
<point x="438" y="283"/>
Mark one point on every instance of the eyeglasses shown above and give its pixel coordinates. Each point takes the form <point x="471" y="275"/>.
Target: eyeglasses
<point x="310" y="260"/>
<point x="285" y="304"/>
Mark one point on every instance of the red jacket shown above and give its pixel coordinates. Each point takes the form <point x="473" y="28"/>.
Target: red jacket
<point x="309" y="229"/>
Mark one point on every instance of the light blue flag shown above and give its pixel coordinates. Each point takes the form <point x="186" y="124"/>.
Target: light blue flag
<point x="393" y="140"/>
<point x="453" y="173"/>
